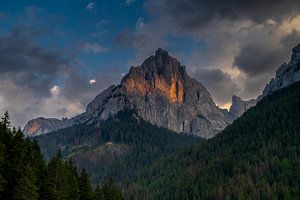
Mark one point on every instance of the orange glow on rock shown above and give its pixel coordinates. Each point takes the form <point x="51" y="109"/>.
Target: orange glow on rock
<point x="34" y="127"/>
<point x="176" y="91"/>
<point x="173" y="92"/>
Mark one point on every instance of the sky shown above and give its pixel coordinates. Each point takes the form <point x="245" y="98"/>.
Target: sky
<point x="56" y="56"/>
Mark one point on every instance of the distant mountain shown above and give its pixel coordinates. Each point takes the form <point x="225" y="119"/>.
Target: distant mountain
<point x="42" y="125"/>
<point x="256" y="157"/>
<point x="286" y="75"/>
<point x="161" y="92"/>
<point x="239" y="106"/>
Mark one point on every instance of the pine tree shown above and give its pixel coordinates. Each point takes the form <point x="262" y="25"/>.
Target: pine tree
<point x="111" y="191"/>
<point x="85" y="189"/>
<point x="26" y="188"/>
<point x="98" y="194"/>
<point x="71" y="188"/>
<point x="6" y="121"/>
<point x="2" y="152"/>
<point x="54" y="180"/>
<point x="25" y="175"/>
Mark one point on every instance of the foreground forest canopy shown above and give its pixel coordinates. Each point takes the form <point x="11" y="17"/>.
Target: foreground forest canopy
<point x="257" y="157"/>
<point x="24" y="175"/>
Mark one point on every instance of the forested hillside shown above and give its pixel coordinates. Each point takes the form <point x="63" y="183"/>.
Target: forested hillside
<point x="118" y="148"/>
<point x="257" y="157"/>
<point x="24" y="174"/>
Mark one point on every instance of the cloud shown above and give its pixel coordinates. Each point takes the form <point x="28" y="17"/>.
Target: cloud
<point x="55" y="90"/>
<point x="219" y="84"/>
<point x="90" y="6"/>
<point x="265" y="50"/>
<point x="22" y="58"/>
<point x="195" y="14"/>
<point x="103" y="22"/>
<point x="257" y="58"/>
<point x="146" y="38"/>
<point x="291" y="39"/>
<point x="129" y="1"/>
<point x="92" y="81"/>
<point x="95" y="48"/>
<point x="35" y="81"/>
<point x="247" y="40"/>
<point x="78" y="88"/>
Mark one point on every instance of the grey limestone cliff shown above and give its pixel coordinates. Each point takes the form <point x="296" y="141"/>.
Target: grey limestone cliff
<point x="240" y="106"/>
<point x="161" y="92"/>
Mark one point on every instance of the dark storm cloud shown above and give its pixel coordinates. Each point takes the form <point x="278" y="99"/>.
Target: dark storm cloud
<point x="28" y="71"/>
<point x="255" y="59"/>
<point x="264" y="57"/>
<point x="194" y="14"/>
<point x="28" y="64"/>
<point x="218" y="83"/>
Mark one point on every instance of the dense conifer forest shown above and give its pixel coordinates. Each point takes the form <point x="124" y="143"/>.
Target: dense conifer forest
<point x="117" y="148"/>
<point x="257" y="157"/>
<point x="24" y="174"/>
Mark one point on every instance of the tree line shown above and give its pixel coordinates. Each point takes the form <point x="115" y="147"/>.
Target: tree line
<point x="25" y="175"/>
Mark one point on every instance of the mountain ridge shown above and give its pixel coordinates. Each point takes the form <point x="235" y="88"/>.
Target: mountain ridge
<point x="161" y="92"/>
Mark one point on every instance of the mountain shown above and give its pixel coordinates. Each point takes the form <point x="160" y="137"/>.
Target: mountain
<point x="286" y="75"/>
<point x="161" y="92"/>
<point x="239" y="106"/>
<point x="42" y="125"/>
<point x="117" y="148"/>
<point x="256" y="157"/>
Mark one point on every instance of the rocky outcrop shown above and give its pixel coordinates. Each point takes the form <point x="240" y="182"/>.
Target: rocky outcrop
<point x="286" y="75"/>
<point x="161" y="92"/>
<point x="239" y="106"/>
<point x="42" y="125"/>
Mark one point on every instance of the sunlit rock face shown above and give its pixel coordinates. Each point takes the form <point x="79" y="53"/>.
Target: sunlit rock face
<point x="42" y="125"/>
<point x="161" y="92"/>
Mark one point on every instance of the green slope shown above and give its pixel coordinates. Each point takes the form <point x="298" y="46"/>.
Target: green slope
<point x="257" y="157"/>
<point x="118" y="148"/>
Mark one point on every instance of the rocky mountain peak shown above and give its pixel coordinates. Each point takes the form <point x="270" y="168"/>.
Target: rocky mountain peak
<point x="286" y="74"/>
<point x="40" y="125"/>
<point x="236" y="99"/>
<point x="296" y="55"/>
<point x="159" y="73"/>
<point x="239" y="106"/>
<point x="161" y="92"/>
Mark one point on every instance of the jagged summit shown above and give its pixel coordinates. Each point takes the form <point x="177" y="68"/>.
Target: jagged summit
<point x="161" y="92"/>
<point x="239" y="106"/>
<point x="161" y="64"/>
<point x="296" y="55"/>
<point x="287" y="74"/>
<point x="161" y="73"/>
